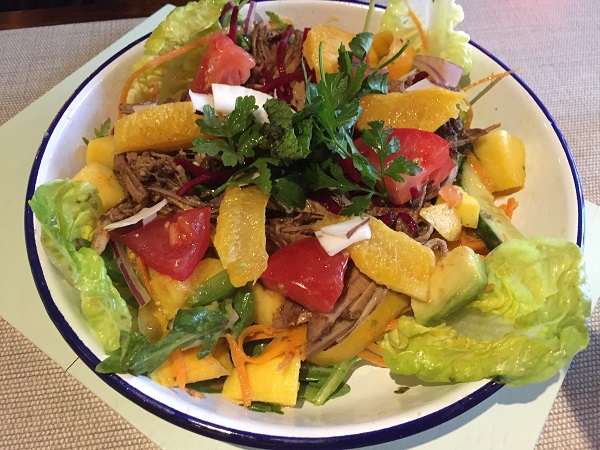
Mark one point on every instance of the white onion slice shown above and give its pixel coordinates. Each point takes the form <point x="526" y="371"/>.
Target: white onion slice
<point x="420" y="85"/>
<point x="335" y="238"/>
<point x="225" y="96"/>
<point x="142" y="106"/>
<point x="439" y="69"/>
<point x="201" y="100"/>
<point x="145" y="214"/>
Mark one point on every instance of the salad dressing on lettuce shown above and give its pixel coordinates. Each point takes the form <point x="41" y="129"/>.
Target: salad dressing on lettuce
<point x="226" y="286"/>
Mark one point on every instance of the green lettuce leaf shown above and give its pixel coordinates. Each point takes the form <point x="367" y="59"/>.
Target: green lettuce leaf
<point x="183" y="25"/>
<point x="439" y="19"/>
<point x="68" y="212"/>
<point x="522" y="331"/>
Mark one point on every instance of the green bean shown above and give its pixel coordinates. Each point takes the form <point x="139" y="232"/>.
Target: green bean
<point x="243" y="303"/>
<point x="214" y="289"/>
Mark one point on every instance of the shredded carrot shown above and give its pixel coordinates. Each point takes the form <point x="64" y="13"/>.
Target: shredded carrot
<point x="257" y="332"/>
<point x="392" y="325"/>
<point x="179" y="366"/>
<point x="468" y="239"/>
<point x="469" y="113"/>
<point x="287" y="343"/>
<point x="375" y="348"/>
<point x="158" y="61"/>
<point x="419" y="26"/>
<point x="481" y="172"/>
<point x="145" y="274"/>
<point x="238" y="356"/>
<point x="289" y="356"/>
<point x="493" y="76"/>
<point x="372" y="358"/>
<point x="509" y="207"/>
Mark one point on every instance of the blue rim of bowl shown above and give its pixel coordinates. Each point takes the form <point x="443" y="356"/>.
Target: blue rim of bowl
<point x="228" y="434"/>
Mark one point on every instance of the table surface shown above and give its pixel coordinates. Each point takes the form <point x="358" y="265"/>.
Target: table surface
<point x="555" y="43"/>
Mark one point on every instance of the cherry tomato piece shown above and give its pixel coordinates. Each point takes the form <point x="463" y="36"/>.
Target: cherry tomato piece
<point x="173" y="245"/>
<point x="223" y="62"/>
<point x="430" y="151"/>
<point x="304" y="272"/>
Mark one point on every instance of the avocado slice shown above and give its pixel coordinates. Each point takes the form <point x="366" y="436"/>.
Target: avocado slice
<point x="456" y="280"/>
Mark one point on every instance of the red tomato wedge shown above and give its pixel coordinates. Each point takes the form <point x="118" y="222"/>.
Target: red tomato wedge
<point x="223" y="62"/>
<point x="430" y="151"/>
<point x="173" y="245"/>
<point x="304" y="272"/>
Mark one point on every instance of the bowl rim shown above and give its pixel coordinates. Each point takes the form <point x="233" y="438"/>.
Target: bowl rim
<point x="220" y="432"/>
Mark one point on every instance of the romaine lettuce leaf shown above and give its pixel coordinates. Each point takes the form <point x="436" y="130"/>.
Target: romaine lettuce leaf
<point x="438" y="18"/>
<point x="68" y="212"/>
<point x="522" y="331"/>
<point x="183" y="25"/>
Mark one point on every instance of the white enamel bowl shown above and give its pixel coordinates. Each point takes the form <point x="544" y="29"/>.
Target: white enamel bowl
<point x="372" y="412"/>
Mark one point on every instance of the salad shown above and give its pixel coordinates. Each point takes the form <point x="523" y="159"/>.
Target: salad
<point x="274" y="206"/>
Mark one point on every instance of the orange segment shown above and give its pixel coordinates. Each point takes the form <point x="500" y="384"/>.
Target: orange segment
<point x="331" y="37"/>
<point x="391" y="258"/>
<point x="240" y="238"/>
<point x="166" y="127"/>
<point x="385" y="45"/>
<point x="426" y="109"/>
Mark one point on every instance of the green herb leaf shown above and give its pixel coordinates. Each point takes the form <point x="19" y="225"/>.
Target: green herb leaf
<point x="238" y="134"/>
<point x="101" y="131"/>
<point x="358" y="205"/>
<point x="319" y="179"/>
<point x="265" y="407"/>
<point x="277" y="23"/>
<point x="191" y="327"/>
<point x="289" y="191"/>
<point x="119" y="360"/>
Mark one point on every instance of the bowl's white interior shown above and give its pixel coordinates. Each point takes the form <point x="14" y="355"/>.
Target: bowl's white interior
<point x="372" y="404"/>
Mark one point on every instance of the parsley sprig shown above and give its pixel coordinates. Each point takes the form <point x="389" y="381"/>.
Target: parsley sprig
<point x="296" y="151"/>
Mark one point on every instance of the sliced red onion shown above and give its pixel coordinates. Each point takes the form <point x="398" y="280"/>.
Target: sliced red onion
<point x="145" y="215"/>
<point x="249" y="22"/>
<point x="440" y="70"/>
<point x="139" y="292"/>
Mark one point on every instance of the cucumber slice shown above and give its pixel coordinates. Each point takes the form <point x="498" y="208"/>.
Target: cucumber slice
<point x="494" y="226"/>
